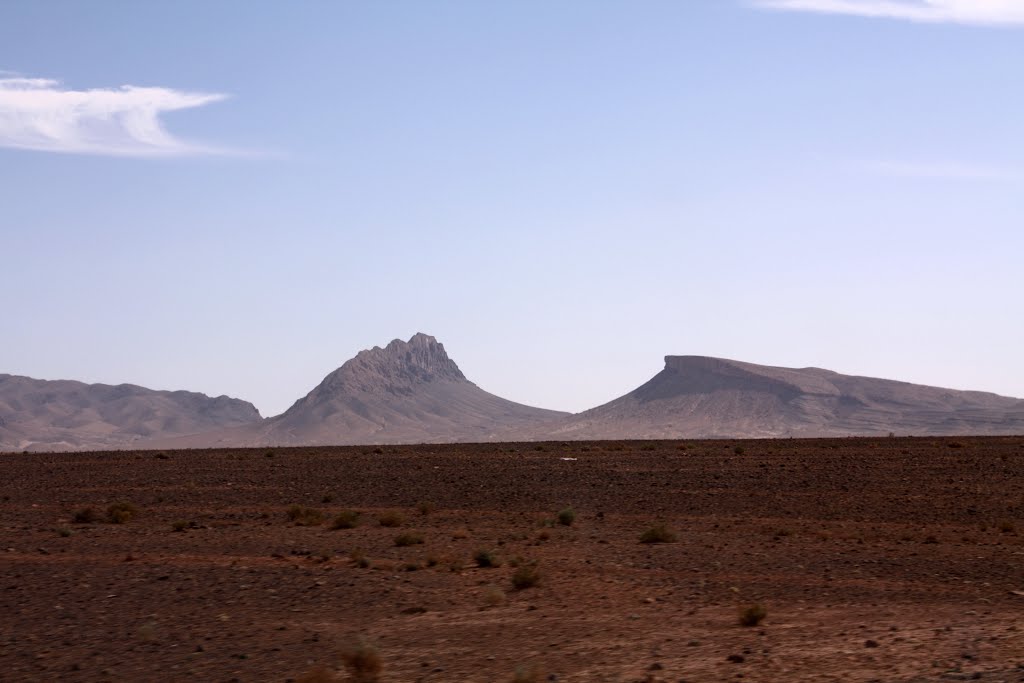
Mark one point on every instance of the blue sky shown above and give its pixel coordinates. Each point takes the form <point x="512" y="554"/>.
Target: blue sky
<point x="562" y="193"/>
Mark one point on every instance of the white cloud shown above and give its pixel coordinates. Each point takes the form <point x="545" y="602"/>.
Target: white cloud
<point x="983" y="12"/>
<point x="39" y="114"/>
<point x="944" y="171"/>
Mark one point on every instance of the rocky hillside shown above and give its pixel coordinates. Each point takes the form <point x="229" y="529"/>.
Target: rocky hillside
<point x="66" y="415"/>
<point x="701" y="397"/>
<point x="406" y="392"/>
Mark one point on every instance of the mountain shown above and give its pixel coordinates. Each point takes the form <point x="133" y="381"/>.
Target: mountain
<point x="406" y="392"/>
<point x="45" y="415"/>
<point x="701" y="397"/>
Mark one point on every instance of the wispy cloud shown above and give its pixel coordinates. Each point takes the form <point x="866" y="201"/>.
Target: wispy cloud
<point x="983" y="12"/>
<point x="39" y="114"/>
<point x="944" y="171"/>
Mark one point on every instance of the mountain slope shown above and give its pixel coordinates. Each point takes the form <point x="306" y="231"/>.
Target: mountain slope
<point x="406" y="392"/>
<point x="696" y="396"/>
<point x="66" y="415"/>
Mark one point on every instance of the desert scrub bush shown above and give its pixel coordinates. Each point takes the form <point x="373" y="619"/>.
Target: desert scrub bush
<point x="739" y="450"/>
<point x="752" y="615"/>
<point x="494" y="596"/>
<point x="346" y="519"/>
<point x="85" y="516"/>
<point x="425" y="507"/>
<point x="526" y="674"/>
<point x="407" y="539"/>
<point x="566" y="517"/>
<point x="359" y="558"/>
<point x="122" y="512"/>
<point x="526" y="576"/>
<point x="659" y="533"/>
<point x="179" y="525"/>
<point x="63" y="531"/>
<point x="486" y="558"/>
<point x="363" y="663"/>
<point x="391" y="519"/>
<point x="1006" y="526"/>
<point x="304" y="516"/>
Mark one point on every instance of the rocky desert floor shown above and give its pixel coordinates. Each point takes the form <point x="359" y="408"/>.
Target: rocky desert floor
<point x="875" y="560"/>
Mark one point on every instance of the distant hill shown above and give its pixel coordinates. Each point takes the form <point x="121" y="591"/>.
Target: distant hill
<point x="406" y="392"/>
<point x="46" y="415"/>
<point x="412" y="392"/>
<point x="701" y="397"/>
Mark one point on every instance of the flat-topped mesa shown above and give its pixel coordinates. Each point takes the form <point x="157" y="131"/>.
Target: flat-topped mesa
<point x="722" y="374"/>
<point x="698" y="363"/>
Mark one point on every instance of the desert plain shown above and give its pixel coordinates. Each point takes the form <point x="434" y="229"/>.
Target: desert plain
<point x="874" y="559"/>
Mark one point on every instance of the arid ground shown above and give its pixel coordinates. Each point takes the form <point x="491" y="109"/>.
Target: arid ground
<point x="875" y="560"/>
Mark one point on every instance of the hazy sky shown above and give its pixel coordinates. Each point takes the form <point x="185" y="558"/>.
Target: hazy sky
<point x="236" y="197"/>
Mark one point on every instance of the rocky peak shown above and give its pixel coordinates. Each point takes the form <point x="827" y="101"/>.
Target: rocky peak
<point x="394" y="369"/>
<point x="422" y="359"/>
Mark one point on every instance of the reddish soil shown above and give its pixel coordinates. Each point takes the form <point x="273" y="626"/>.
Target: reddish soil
<point x="877" y="560"/>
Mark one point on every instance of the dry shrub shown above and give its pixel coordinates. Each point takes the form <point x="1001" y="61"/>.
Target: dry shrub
<point x="122" y="512"/>
<point x="486" y="559"/>
<point x="304" y="516"/>
<point x="752" y="615"/>
<point x="494" y="597"/>
<point x="359" y="558"/>
<point x="525" y="576"/>
<point x="85" y="516"/>
<point x="566" y="517"/>
<point x="659" y="533"/>
<point x="526" y="674"/>
<point x="346" y="519"/>
<point x="425" y="507"/>
<point x="392" y="518"/>
<point x="407" y="539"/>
<point x="363" y="663"/>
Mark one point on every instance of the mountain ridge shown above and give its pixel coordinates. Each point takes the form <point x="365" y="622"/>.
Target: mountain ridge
<point x="406" y="392"/>
<point x="37" y="414"/>
<point x="413" y="392"/>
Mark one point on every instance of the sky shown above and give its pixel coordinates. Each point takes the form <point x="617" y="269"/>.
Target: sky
<point x="237" y="197"/>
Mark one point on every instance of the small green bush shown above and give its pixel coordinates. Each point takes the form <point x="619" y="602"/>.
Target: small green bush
<point x="566" y="517"/>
